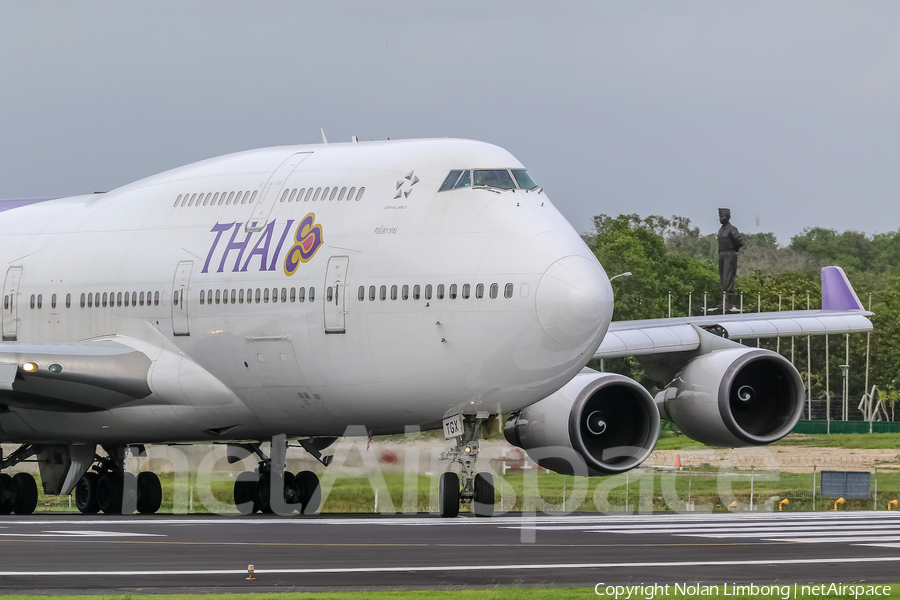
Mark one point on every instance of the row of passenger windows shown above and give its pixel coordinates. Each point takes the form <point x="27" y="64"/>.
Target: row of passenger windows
<point x="261" y="295"/>
<point x="503" y="179"/>
<point x="330" y="193"/>
<point x="96" y="299"/>
<point x="452" y="292"/>
<point x="215" y="199"/>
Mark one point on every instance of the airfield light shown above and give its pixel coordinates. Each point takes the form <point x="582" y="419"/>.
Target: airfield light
<point x="30" y="367"/>
<point x="468" y="449"/>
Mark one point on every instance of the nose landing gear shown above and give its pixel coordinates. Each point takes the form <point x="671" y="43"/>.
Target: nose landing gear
<point x="477" y="488"/>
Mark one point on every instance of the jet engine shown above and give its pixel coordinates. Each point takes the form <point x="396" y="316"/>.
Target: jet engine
<point x="608" y="420"/>
<point x="734" y="397"/>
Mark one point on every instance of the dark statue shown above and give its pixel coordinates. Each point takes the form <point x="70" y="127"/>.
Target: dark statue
<point x="729" y="243"/>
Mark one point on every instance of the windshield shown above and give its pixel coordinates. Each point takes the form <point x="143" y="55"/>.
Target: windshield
<point x="496" y="178"/>
<point x="524" y="179"/>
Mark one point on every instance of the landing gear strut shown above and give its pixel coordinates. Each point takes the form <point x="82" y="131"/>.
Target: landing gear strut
<point x="253" y="490"/>
<point x="18" y="493"/>
<point x="108" y="488"/>
<point x="477" y="488"/>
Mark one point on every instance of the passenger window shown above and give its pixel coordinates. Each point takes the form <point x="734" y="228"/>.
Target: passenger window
<point x="96" y="299"/>
<point x="428" y="292"/>
<point x="496" y="178"/>
<point x="479" y="291"/>
<point x="177" y="200"/>
<point x="104" y="300"/>
<point x="68" y="300"/>
<point x="40" y="301"/>
<point x="266" y="295"/>
<point x="371" y="292"/>
<point x="312" y="294"/>
<point x="233" y="296"/>
<point x="284" y="196"/>
<point x="32" y="301"/>
<point x="393" y="293"/>
<point x="215" y="199"/>
<point x="126" y="298"/>
<point x="453" y="289"/>
<point x="258" y="295"/>
<point x="308" y="194"/>
<point x="333" y="193"/>
<point x="316" y="195"/>
<point x="241" y="296"/>
<point x="362" y="292"/>
<point x="274" y="295"/>
<point x="404" y="293"/>
<point x="118" y="299"/>
<point x="184" y="200"/>
<point x="465" y="291"/>
<point x="284" y="294"/>
<point x="90" y="301"/>
<point x="325" y="194"/>
<point x="301" y="297"/>
<point x="218" y="296"/>
<point x="464" y="181"/>
<point x="440" y="291"/>
<point x="293" y="294"/>
<point x="222" y="197"/>
<point x="6" y="304"/>
<point x="451" y="180"/>
<point x="329" y="294"/>
<point x="350" y="194"/>
<point x="134" y="298"/>
<point x="508" y="290"/>
<point x="205" y="200"/>
<point x="343" y="191"/>
<point x="253" y="197"/>
<point x="383" y="294"/>
<point x="156" y="299"/>
<point x="191" y="202"/>
<point x="175" y="298"/>
<point x="359" y="194"/>
<point x="524" y="179"/>
<point x="494" y="289"/>
<point x="416" y="292"/>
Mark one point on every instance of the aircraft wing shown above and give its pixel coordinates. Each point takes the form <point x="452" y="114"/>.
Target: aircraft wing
<point x="841" y="312"/>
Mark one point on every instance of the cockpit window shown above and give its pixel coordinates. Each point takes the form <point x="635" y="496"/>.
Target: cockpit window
<point x="451" y="180"/>
<point x="464" y="181"/>
<point x="495" y="178"/>
<point x="524" y="179"/>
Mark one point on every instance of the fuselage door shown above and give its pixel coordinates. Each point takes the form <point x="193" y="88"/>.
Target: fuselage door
<point x="272" y="191"/>
<point x="181" y="287"/>
<point x="335" y="294"/>
<point x="11" y="304"/>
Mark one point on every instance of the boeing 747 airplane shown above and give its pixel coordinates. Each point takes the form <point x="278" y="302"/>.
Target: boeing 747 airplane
<point x="295" y="291"/>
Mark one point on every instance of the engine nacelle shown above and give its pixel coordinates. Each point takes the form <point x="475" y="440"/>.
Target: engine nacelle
<point x="735" y="397"/>
<point x="609" y="420"/>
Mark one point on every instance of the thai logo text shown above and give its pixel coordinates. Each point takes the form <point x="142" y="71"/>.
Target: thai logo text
<point x="308" y="238"/>
<point x="233" y="256"/>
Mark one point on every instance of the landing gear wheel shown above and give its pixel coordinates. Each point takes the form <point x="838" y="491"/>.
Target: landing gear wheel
<point x="245" y="493"/>
<point x="483" y="506"/>
<point x="109" y="493"/>
<point x="263" y="492"/>
<point x="448" y="496"/>
<point x="86" y="493"/>
<point x="290" y="492"/>
<point x="7" y="494"/>
<point x="149" y="493"/>
<point x="306" y="484"/>
<point x="26" y="494"/>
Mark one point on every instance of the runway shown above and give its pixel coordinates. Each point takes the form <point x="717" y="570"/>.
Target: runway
<point x="76" y="554"/>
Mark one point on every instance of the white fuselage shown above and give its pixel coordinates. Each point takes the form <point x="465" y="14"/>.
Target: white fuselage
<point x="226" y="365"/>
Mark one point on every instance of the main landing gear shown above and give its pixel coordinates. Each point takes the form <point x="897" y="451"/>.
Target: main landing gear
<point x="253" y="489"/>
<point x="18" y="493"/>
<point x="477" y="488"/>
<point x="109" y="489"/>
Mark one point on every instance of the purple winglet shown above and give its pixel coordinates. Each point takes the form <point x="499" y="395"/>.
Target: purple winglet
<point x="837" y="293"/>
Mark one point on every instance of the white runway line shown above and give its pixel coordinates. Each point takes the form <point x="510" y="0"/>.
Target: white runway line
<point x="77" y="533"/>
<point x="386" y="569"/>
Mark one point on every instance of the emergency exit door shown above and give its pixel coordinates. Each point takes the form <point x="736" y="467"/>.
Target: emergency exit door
<point x="11" y="304"/>
<point x="335" y="294"/>
<point x="181" y="287"/>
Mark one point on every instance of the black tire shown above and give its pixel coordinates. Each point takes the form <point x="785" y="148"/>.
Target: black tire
<point x="25" y="493"/>
<point x="448" y="496"/>
<point x="306" y="483"/>
<point x="149" y="493"/>
<point x="245" y="493"/>
<point x="86" y="494"/>
<point x="483" y="506"/>
<point x="291" y="497"/>
<point x="264" y="492"/>
<point x="109" y="493"/>
<point x="7" y="494"/>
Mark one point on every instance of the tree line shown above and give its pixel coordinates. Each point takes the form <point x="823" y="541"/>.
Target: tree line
<point x="668" y="255"/>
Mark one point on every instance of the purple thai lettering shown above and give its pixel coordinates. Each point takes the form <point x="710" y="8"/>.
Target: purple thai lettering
<point x="218" y="229"/>
<point x="284" y="235"/>
<point x="261" y="248"/>
<point x="232" y="245"/>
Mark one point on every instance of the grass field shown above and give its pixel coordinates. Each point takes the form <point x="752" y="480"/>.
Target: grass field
<point x="486" y="594"/>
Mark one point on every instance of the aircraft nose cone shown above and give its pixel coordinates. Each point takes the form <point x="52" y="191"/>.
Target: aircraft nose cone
<point x="574" y="300"/>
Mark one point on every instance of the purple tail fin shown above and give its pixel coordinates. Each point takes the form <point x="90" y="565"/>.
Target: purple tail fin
<point x="837" y="293"/>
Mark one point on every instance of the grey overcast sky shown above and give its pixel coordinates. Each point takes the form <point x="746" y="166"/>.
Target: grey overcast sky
<point x="787" y="112"/>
